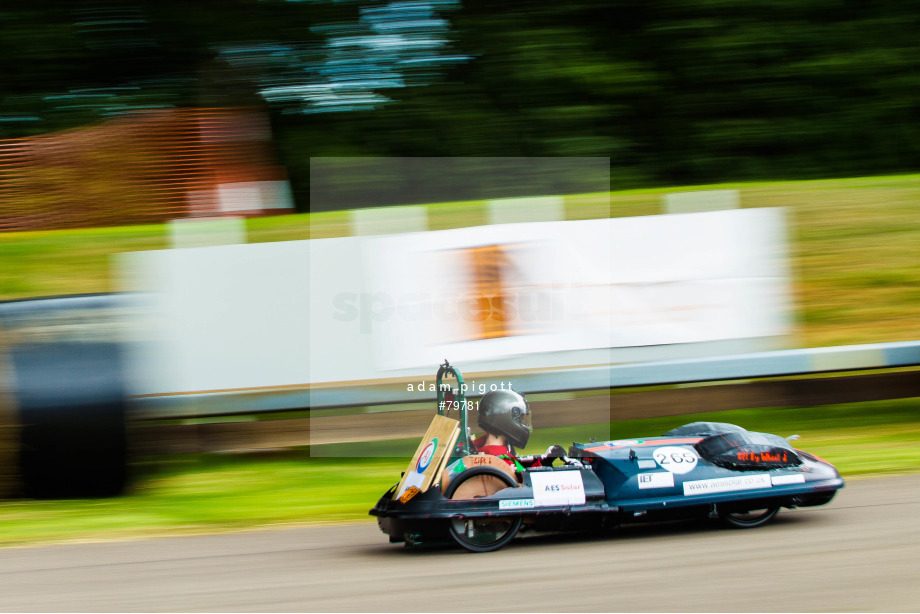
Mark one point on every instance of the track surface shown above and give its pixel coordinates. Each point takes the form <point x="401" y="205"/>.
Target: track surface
<point x="859" y="553"/>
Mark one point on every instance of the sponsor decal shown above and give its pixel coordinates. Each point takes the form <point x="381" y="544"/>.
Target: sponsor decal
<point x="424" y="459"/>
<point x="659" y="479"/>
<point x="557" y="488"/>
<point x="648" y="464"/>
<point x="751" y="481"/>
<point x="782" y="480"/>
<point x="676" y="460"/>
<point x="515" y="504"/>
<point x="475" y="461"/>
<point x="410" y="492"/>
<point x="413" y="480"/>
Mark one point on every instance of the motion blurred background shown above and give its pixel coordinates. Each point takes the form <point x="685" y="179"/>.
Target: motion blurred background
<point x="130" y="107"/>
<point x="121" y="120"/>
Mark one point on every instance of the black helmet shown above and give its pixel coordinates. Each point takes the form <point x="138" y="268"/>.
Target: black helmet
<point x="505" y="412"/>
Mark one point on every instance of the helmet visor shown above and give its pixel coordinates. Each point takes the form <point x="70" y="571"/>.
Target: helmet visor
<point x="522" y="417"/>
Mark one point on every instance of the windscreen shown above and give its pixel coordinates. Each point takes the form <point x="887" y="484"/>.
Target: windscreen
<point x="748" y="451"/>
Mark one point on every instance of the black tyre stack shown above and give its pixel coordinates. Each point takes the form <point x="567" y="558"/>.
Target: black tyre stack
<point x="63" y="410"/>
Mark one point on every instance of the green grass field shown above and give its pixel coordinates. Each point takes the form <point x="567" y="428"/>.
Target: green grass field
<point x="854" y="243"/>
<point x="221" y="492"/>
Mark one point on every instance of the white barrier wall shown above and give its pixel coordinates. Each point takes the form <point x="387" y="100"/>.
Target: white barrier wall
<point x="221" y="318"/>
<point x="529" y="295"/>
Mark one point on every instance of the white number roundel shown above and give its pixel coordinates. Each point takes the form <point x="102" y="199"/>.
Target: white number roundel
<point x="676" y="460"/>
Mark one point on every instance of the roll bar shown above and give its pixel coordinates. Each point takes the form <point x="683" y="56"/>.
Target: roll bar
<point x="452" y="395"/>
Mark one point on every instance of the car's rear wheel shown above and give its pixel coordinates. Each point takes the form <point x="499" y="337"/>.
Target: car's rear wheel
<point x="487" y="533"/>
<point x="484" y="534"/>
<point x="748" y="519"/>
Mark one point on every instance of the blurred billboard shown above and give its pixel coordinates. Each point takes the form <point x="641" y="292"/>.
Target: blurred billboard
<point x="513" y="290"/>
<point x="538" y="295"/>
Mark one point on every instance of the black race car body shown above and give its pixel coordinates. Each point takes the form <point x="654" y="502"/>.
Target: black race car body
<point x="701" y="469"/>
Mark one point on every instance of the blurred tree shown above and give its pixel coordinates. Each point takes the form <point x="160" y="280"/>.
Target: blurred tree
<point x="785" y="89"/>
<point x="673" y="91"/>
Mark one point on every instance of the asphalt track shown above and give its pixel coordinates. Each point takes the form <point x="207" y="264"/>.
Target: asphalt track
<point x="859" y="553"/>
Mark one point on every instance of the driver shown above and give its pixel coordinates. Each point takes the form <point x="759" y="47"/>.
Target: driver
<point x="505" y="418"/>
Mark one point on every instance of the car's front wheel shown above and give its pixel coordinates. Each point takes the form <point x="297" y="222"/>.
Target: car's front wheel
<point x="748" y="519"/>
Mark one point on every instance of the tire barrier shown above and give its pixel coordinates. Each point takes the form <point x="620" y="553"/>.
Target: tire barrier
<point x="9" y="434"/>
<point x="71" y="407"/>
<point x="63" y="399"/>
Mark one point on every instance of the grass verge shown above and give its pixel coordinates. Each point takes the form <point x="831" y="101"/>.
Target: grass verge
<point x="221" y="492"/>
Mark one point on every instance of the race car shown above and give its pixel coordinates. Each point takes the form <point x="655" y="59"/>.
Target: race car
<point x="702" y="469"/>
